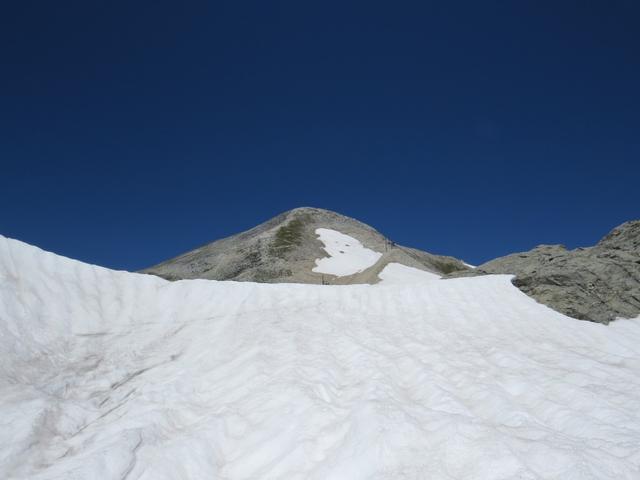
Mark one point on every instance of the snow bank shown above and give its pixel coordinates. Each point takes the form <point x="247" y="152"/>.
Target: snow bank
<point x="401" y="274"/>
<point x="115" y="375"/>
<point x="346" y="254"/>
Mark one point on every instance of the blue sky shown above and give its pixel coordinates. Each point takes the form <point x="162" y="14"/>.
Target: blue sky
<point x="133" y="131"/>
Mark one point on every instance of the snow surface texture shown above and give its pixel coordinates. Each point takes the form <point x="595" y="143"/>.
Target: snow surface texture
<point x="346" y="254"/>
<point x="114" y="375"/>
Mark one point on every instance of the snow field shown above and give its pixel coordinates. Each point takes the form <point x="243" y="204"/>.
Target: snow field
<point x="110" y="374"/>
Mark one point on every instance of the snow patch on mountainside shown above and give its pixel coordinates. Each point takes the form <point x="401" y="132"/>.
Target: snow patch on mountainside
<point x="401" y="274"/>
<point x="346" y="254"/>
<point x="115" y="375"/>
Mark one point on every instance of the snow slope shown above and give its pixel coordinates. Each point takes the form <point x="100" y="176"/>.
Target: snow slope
<point x="346" y="254"/>
<point x="401" y="274"/>
<point x="113" y="375"/>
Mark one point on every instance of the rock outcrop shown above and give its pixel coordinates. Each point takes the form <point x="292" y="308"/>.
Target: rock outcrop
<point x="284" y="249"/>
<point x="599" y="283"/>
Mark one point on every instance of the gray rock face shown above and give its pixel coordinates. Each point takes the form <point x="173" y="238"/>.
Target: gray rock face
<point x="284" y="249"/>
<point x="598" y="283"/>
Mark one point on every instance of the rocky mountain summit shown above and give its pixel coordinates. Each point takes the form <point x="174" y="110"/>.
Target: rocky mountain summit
<point x="285" y="249"/>
<point x="598" y="283"/>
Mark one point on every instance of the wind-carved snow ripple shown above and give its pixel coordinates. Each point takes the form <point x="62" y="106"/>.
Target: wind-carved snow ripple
<point x="115" y="375"/>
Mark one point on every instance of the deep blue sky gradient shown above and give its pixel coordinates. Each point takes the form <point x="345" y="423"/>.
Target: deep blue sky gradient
<point x="133" y="131"/>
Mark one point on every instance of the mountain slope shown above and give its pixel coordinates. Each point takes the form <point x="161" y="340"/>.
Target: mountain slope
<point x="115" y="375"/>
<point x="285" y="249"/>
<point x="598" y="283"/>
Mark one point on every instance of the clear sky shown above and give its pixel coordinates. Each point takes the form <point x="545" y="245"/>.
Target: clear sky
<point x="131" y="131"/>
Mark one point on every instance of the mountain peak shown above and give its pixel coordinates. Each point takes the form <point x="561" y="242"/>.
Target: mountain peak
<point x="289" y="248"/>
